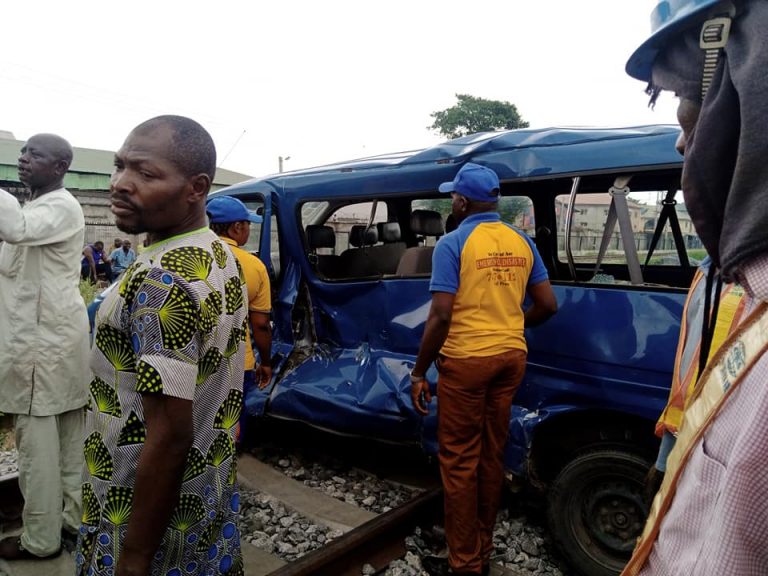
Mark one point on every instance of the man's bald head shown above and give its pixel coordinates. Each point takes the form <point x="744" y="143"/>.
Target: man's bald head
<point x="193" y="150"/>
<point x="57" y="145"/>
<point x="44" y="160"/>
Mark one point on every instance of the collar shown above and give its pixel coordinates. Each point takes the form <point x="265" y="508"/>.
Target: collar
<point x="228" y="241"/>
<point x="177" y="237"/>
<point x="754" y="277"/>
<point x="481" y="217"/>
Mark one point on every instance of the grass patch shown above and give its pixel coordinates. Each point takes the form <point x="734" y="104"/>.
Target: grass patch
<point x="88" y="291"/>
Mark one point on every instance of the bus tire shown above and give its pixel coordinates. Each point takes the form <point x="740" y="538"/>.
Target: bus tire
<point x="595" y="509"/>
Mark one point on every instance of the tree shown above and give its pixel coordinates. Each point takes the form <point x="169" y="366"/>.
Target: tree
<point x="472" y="114"/>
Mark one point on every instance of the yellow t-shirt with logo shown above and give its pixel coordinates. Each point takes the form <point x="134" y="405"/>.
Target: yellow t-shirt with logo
<point x="259" y="296"/>
<point x="488" y="265"/>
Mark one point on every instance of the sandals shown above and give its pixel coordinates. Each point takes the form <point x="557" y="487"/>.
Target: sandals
<point x="11" y="549"/>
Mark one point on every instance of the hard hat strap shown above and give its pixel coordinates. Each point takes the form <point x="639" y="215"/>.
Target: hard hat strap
<point x="714" y="37"/>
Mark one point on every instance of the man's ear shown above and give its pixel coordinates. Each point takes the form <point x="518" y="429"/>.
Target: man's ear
<point x="199" y="185"/>
<point x="242" y="226"/>
<point x="62" y="167"/>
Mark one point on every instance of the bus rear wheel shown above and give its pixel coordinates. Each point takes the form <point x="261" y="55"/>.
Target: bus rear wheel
<point x="596" y="510"/>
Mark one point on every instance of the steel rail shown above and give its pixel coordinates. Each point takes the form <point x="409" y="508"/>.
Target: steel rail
<point x="377" y="542"/>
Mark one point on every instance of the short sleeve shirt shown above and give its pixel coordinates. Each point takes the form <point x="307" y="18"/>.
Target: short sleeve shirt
<point x="488" y="265"/>
<point x="121" y="259"/>
<point x="257" y="283"/>
<point x="98" y="256"/>
<point x="175" y="326"/>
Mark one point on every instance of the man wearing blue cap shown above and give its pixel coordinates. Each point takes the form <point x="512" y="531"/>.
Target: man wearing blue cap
<point x="710" y="516"/>
<point x="481" y="275"/>
<point x="231" y="220"/>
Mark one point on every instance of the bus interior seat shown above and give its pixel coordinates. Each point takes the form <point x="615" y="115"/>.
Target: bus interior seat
<point x="356" y="260"/>
<point x="321" y="237"/>
<point x="417" y="260"/>
<point x="387" y="254"/>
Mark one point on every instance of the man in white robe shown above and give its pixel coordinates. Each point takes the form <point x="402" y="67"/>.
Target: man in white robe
<point x="44" y="345"/>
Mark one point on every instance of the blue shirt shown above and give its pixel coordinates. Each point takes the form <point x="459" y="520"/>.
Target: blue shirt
<point x="122" y="259"/>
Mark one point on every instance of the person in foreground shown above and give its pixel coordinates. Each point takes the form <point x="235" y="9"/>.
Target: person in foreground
<point x="722" y="305"/>
<point x="710" y="516"/>
<point x="159" y="495"/>
<point x="43" y="346"/>
<point x="482" y="273"/>
<point x="231" y="220"/>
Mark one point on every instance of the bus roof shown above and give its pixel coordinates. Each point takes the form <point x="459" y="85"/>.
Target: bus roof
<point x="513" y="154"/>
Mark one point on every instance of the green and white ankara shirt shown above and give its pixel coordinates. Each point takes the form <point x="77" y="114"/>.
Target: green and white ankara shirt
<point x="175" y="326"/>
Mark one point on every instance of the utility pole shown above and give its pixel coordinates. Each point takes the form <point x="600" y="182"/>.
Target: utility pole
<point x="280" y="160"/>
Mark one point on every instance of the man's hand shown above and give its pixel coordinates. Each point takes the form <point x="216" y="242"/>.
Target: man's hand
<point x="125" y="568"/>
<point x="263" y="375"/>
<point x="420" y="394"/>
<point x="653" y="480"/>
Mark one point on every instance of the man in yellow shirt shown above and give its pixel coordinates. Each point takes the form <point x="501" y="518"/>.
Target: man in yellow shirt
<point x="231" y="221"/>
<point x="482" y="273"/>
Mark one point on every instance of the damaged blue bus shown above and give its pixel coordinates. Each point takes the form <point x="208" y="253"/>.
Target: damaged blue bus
<point x="348" y="247"/>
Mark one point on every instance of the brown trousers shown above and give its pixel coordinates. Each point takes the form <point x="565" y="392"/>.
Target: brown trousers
<point x="474" y="402"/>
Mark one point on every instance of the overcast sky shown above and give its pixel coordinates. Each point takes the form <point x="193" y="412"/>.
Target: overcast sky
<point x="319" y="81"/>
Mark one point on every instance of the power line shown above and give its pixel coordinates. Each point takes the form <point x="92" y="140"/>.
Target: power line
<point x="231" y="149"/>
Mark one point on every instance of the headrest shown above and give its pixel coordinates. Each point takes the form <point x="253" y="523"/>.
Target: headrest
<point x="362" y="235"/>
<point x="426" y="223"/>
<point x="320" y="237"/>
<point x="389" y="232"/>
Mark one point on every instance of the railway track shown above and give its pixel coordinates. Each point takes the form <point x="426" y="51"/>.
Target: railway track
<point x="375" y="543"/>
<point x="360" y="541"/>
<point x="374" y="540"/>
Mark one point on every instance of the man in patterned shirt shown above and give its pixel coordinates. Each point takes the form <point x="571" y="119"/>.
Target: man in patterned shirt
<point x="159" y="496"/>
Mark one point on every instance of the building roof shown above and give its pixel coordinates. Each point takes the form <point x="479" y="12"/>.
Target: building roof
<point x="90" y="168"/>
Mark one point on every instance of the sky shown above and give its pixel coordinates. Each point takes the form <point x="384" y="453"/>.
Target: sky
<point x="315" y="81"/>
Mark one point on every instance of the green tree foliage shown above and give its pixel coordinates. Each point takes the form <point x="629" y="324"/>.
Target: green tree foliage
<point x="512" y="209"/>
<point x="472" y="114"/>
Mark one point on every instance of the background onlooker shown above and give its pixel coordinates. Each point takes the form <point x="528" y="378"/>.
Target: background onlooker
<point x="43" y="346"/>
<point x="121" y="258"/>
<point x="95" y="262"/>
<point x="231" y="220"/>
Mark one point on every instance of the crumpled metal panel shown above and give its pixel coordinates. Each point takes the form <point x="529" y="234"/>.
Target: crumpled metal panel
<point x="522" y="424"/>
<point x="357" y="391"/>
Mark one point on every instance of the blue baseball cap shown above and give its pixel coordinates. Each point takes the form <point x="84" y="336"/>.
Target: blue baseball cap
<point x="474" y="182"/>
<point x="228" y="209"/>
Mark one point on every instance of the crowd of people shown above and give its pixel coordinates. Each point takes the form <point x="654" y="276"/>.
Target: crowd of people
<point x="153" y="416"/>
<point x="97" y="264"/>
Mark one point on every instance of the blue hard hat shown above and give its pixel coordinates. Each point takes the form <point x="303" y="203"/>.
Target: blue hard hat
<point x="668" y="18"/>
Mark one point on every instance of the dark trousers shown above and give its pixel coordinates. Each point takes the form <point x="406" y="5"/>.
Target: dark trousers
<point x="249" y="382"/>
<point x="474" y="403"/>
<point x="101" y="268"/>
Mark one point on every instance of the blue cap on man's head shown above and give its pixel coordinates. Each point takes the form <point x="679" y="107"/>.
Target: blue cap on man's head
<point x="474" y="182"/>
<point x="228" y="209"/>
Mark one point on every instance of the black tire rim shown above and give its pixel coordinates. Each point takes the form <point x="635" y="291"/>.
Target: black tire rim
<point x="613" y="516"/>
